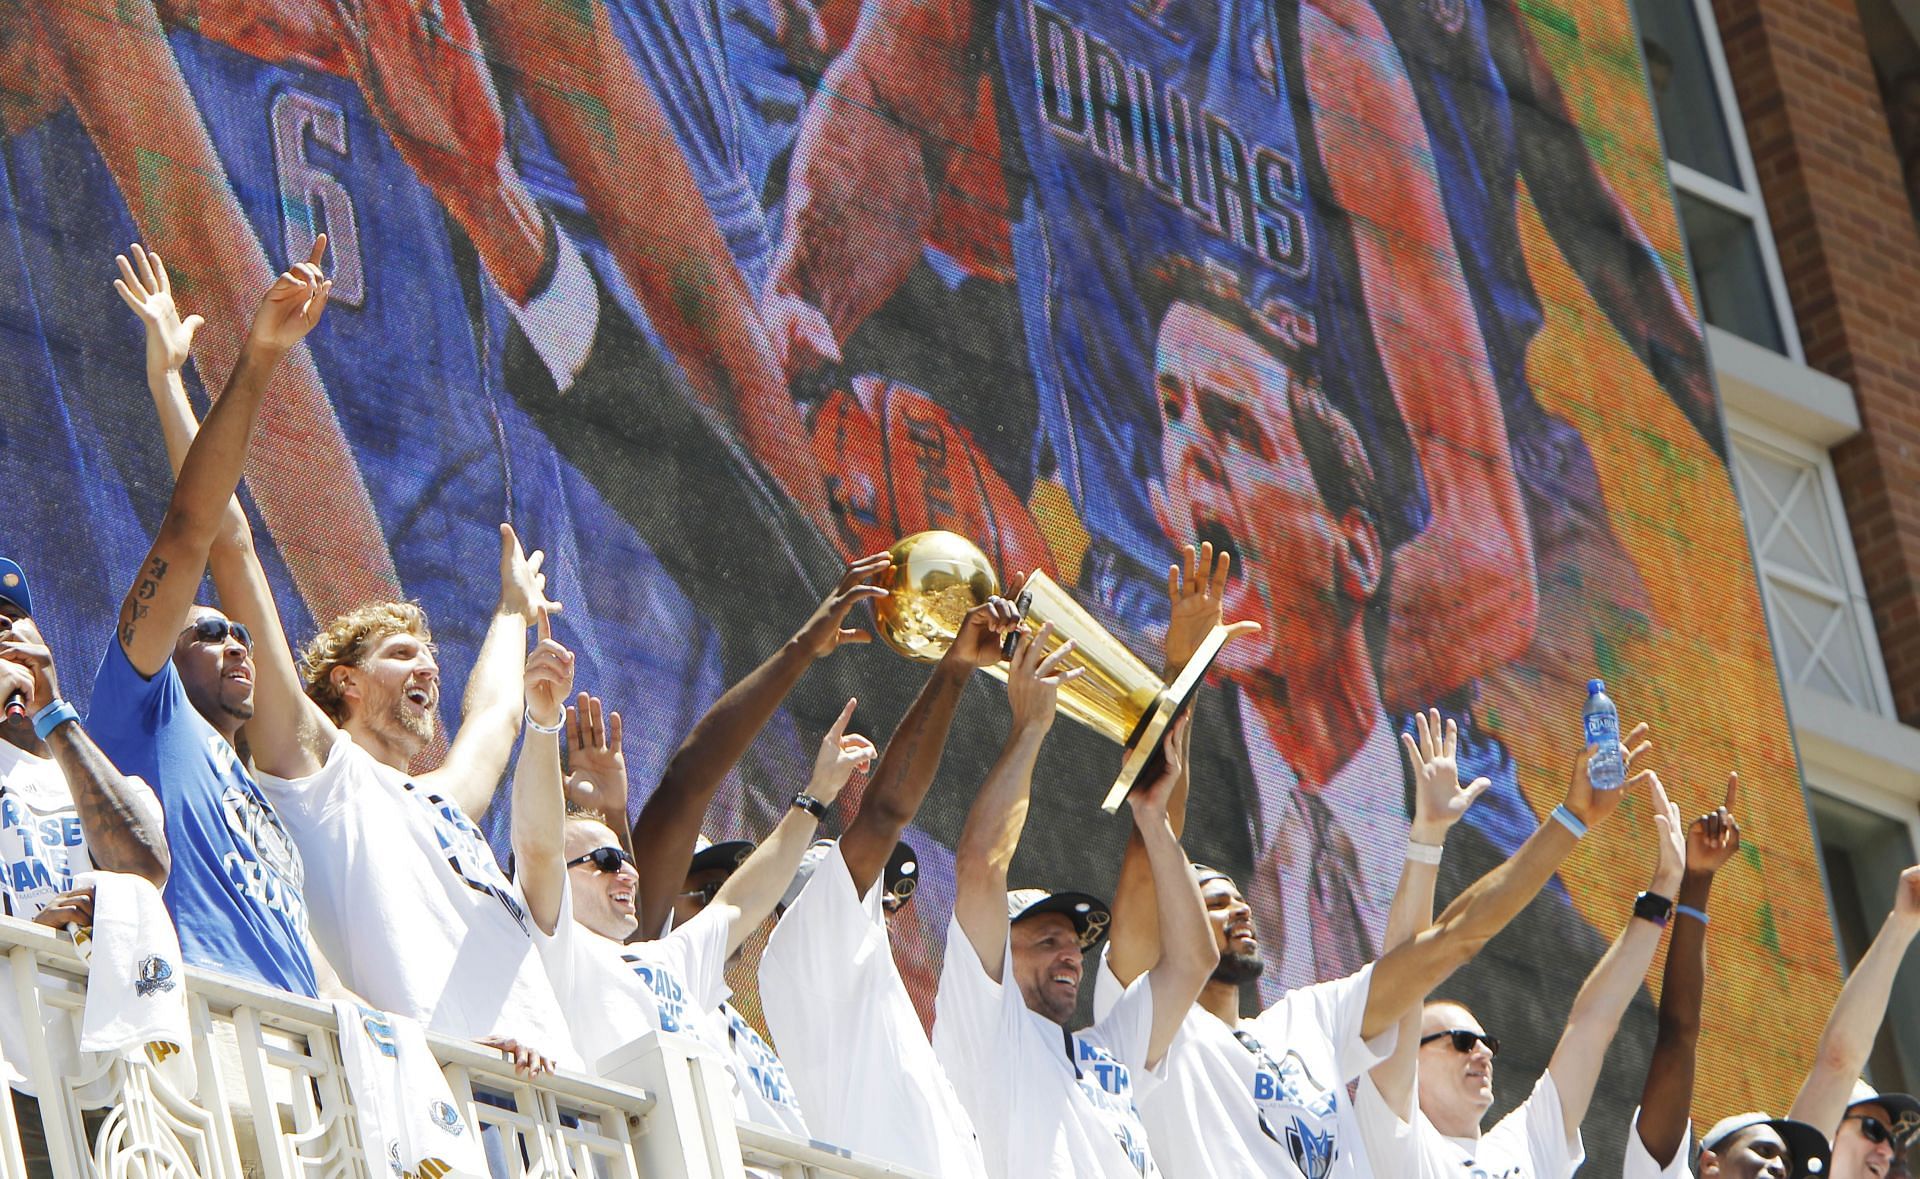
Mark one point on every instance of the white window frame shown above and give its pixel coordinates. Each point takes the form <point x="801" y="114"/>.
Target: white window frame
<point x="1746" y="204"/>
<point x="1745" y="427"/>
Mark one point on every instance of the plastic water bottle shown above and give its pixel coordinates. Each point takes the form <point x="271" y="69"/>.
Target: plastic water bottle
<point x="1601" y="720"/>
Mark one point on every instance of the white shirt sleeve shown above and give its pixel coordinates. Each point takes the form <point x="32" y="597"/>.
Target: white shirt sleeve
<point x="1636" y="1163"/>
<point x="1556" y="1154"/>
<point x="1339" y="1006"/>
<point x="1392" y="1145"/>
<point x="1127" y="1028"/>
<point x="698" y="951"/>
<point x="971" y="1027"/>
<point x="312" y="798"/>
<point x="817" y="973"/>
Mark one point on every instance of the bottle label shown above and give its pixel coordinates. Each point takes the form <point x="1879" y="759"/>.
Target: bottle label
<point x="1601" y="728"/>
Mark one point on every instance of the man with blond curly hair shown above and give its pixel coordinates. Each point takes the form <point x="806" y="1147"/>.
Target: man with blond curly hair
<point x="404" y="897"/>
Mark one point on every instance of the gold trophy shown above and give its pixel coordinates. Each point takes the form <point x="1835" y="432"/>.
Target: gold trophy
<point x="938" y="576"/>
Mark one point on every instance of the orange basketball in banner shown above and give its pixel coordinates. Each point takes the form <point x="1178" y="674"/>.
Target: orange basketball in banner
<point x="896" y="463"/>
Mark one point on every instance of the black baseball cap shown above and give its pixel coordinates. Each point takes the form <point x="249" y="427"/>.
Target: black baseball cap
<point x="1809" y="1147"/>
<point x="1088" y="913"/>
<point x="726" y="854"/>
<point x="13" y="586"/>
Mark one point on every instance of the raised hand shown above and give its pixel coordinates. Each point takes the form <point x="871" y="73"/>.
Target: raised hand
<point x="523" y="588"/>
<point x="1033" y="681"/>
<point x="1906" y="896"/>
<point x="293" y="304"/>
<point x="982" y="638"/>
<point x="144" y="285"/>
<point x="549" y="676"/>
<point x="1149" y="802"/>
<point x="1592" y="806"/>
<point x="22" y="649"/>
<point x="1196" y="589"/>
<point x="1715" y="836"/>
<point x="1438" y="799"/>
<point x="826" y="630"/>
<point x="1671" y="839"/>
<point x="596" y="761"/>
<point x="841" y="755"/>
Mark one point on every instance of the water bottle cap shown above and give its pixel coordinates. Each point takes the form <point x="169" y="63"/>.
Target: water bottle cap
<point x="1595" y="687"/>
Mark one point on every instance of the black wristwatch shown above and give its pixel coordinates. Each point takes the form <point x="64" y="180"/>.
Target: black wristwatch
<point x="1653" y="907"/>
<point x="811" y="805"/>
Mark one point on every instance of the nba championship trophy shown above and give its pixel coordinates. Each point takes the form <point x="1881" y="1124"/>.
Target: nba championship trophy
<point x="938" y="576"/>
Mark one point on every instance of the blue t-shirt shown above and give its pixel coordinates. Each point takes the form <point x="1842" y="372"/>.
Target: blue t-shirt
<point x="235" y="888"/>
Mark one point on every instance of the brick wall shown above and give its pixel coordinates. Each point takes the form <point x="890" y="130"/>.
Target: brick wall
<point x="1851" y="255"/>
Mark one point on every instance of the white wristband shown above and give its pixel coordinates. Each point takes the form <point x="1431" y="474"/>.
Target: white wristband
<point x="1424" y="853"/>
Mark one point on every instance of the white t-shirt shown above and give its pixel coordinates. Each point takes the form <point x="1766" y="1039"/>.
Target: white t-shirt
<point x="406" y="901"/>
<point x="1044" y="1102"/>
<point x="614" y="993"/>
<point x="41" y="845"/>
<point x="852" y="1042"/>
<point x="1636" y="1163"/>
<point x="1530" y="1143"/>
<point x="1275" y="1107"/>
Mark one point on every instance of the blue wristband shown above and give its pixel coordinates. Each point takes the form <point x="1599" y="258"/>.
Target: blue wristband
<point x="52" y="717"/>
<point x="1697" y="914"/>
<point x="1570" y="821"/>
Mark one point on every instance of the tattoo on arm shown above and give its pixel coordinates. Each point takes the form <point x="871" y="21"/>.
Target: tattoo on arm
<point x="124" y="825"/>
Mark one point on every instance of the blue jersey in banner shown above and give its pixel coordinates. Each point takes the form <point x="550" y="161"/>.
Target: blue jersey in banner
<point x="1154" y="132"/>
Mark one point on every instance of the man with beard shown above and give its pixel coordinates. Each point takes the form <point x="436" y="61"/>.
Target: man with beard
<point x="411" y="909"/>
<point x="177" y="684"/>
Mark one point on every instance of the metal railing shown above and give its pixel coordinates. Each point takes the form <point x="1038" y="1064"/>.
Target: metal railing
<point x="272" y="1100"/>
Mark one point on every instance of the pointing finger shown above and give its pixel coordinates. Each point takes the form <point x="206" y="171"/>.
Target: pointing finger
<point x="1733" y="791"/>
<point x="319" y="251"/>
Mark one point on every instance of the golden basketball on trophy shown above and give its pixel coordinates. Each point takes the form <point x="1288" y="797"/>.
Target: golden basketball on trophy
<point x="938" y="576"/>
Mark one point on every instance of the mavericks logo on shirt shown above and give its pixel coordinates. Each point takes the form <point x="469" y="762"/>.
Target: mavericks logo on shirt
<point x="268" y="868"/>
<point x="1306" y="1110"/>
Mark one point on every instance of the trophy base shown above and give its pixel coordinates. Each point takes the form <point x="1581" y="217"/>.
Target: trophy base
<point x="1143" y="752"/>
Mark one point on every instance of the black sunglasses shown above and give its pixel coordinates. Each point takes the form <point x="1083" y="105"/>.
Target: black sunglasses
<point x="706" y="892"/>
<point x="606" y="859"/>
<point x="1464" y="1040"/>
<point x="215" y="630"/>
<point x="1874" y="1130"/>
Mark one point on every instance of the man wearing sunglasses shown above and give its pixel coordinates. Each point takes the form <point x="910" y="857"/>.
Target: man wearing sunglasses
<point x="1447" y="1066"/>
<point x="177" y="683"/>
<point x="63" y="806"/>
<point x="1867" y="1129"/>
<point x="582" y="887"/>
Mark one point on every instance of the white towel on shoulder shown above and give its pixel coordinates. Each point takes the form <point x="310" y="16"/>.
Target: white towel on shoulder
<point x="408" y="1120"/>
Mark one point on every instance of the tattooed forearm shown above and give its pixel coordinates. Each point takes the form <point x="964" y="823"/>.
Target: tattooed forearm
<point x="123" y="822"/>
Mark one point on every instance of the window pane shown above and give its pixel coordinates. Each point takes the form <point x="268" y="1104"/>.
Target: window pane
<point x="1864" y="852"/>
<point x="1684" y="95"/>
<point x="1732" y="279"/>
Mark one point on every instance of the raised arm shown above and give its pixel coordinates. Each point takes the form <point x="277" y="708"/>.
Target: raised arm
<point x="289" y="734"/>
<point x="867" y="167"/>
<point x="1438" y="803"/>
<point x="156" y="606"/>
<point x="912" y="757"/>
<point x="1596" y="231"/>
<point x="1666" y="1100"/>
<point x="749" y="895"/>
<point x="1465" y="597"/>
<point x="539" y="823"/>
<point x="124" y="825"/>
<point x="1188" y="954"/>
<point x="1405" y="976"/>
<point x="668" y="825"/>
<point x="496" y="694"/>
<point x="596" y="764"/>
<point x="1857" y="1014"/>
<point x="999" y="811"/>
<point x="1603" y="998"/>
<point x="1196" y="586"/>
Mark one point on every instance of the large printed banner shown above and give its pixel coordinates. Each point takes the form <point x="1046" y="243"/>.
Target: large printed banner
<point x="1386" y="297"/>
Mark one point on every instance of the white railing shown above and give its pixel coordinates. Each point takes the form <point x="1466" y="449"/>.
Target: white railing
<point x="273" y="1102"/>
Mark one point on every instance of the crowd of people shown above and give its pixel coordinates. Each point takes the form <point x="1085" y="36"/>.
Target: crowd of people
<point x="269" y="791"/>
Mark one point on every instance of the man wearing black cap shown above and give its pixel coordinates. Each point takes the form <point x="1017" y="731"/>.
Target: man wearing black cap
<point x="1868" y="1129"/>
<point x="63" y="806"/>
<point x="1047" y="1101"/>
<point x="1755" y="1146"/>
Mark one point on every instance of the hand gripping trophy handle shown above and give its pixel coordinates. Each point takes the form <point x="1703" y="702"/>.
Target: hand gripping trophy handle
<point x="938" y="576"/>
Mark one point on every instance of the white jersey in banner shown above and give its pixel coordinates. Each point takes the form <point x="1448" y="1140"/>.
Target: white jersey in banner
<point x="614" y="993"/>
<point x="41" y="846"/>
<point x="851" y="1039"/>
<point x="410" y="907"/>
<point x="1532" y="1142"/>
<point x="1268" y="1097"/>
<point x="1044" y="1101"/>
